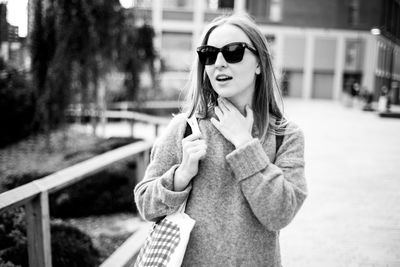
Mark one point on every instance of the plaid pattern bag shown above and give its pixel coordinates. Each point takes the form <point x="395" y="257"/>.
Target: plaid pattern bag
<point x="166" y="244"/>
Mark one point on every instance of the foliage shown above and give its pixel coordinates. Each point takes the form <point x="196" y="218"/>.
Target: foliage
<point x="13" y="240"/>
<point x="70" y="246"/>
<point x="7" y="264"/>
<point x="108" y="191"/>
<point x="75" y="44"/>
<point x="17" y="105"/>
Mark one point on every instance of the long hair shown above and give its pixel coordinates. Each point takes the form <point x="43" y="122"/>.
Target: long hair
<point x="201" y="97"/>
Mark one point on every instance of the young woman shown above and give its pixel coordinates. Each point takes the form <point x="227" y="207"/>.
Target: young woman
<point x="240" y="188"/>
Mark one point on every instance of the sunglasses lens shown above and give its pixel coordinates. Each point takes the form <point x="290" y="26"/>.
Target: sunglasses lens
<point x="207" y="55"/>
<point x="233" y="53"/>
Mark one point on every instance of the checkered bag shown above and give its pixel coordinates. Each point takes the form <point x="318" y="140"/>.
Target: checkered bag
<point x="166" y="244"/>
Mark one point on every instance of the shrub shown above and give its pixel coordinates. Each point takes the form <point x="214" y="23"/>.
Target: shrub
<point x="70" y="246"/>
<point x="7" y="264"/>
<point x="108" y="191"/>
<point x="17" y="106"/>
<point x="13" y="238"/>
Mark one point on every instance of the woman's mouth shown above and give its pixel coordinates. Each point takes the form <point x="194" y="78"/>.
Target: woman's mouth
<point x="223" y="78"/>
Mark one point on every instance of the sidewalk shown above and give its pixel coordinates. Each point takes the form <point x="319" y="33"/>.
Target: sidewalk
<point x="351" y="217"/>
<point x="352" y="214"/>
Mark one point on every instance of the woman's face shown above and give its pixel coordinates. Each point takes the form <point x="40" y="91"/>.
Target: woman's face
<point x="235" y="81"/>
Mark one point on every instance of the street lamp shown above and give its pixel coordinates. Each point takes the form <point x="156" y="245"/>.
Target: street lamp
<point x="126" y="3"/>
<point x="375" y="31"/>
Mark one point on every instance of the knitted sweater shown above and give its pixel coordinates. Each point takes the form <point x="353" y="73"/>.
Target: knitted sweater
<point x="239" y="198"/>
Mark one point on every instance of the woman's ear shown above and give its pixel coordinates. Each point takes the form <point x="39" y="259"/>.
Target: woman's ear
<point x="258" y="69"/>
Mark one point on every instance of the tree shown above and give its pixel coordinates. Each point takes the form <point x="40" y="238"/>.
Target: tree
<point x="74" y="45"/>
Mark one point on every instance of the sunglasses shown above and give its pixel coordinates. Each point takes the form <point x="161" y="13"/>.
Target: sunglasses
<point x="233" y="52"/>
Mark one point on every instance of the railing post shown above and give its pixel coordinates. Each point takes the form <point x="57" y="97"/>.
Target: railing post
<point x="132" y="124"/>
<point x="157" y="130"/>
<point x="38" y="231"/>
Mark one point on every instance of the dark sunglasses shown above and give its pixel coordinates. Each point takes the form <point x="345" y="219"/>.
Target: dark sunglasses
<point x="233" y="53"/>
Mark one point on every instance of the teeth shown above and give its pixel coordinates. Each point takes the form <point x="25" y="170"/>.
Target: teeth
<point x="223" y="78"/>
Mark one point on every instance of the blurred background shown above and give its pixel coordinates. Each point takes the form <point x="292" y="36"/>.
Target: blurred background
<point x="81" y="78"/>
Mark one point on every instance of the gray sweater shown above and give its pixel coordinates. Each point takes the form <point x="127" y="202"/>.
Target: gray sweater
<point x="240" y="199"/>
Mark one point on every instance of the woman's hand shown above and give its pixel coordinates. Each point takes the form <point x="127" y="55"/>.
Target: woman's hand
<point x="232" y="124"/>
<point x="194" y="149"/>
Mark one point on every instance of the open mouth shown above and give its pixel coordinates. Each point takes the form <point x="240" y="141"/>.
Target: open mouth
<point x="223" y="77"/>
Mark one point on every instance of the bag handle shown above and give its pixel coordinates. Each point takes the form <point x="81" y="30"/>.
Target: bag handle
<point x="192" y="126"/>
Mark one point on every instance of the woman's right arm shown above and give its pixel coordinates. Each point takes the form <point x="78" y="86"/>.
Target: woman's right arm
<point x="155" y="196"/>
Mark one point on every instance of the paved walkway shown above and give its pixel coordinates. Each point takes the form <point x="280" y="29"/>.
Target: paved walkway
<point x="351" y="217"/>
<point x="352" y="214"/>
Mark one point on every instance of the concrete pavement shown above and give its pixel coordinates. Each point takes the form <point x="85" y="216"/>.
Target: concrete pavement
<point x="352" y="214"/>
<point x="351" y="217"/>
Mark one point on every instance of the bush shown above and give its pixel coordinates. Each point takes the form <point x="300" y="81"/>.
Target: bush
<point x="17" y="106"/>
<point x="7" y="264"/>
<point x="108" y="191"/>
<point x="70" y="246"/>
<point x="13" y="243"/>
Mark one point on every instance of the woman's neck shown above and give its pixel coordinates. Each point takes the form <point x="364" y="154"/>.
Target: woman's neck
<point x="240" y="102"/>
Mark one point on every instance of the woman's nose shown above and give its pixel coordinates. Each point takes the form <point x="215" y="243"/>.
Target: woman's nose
<point x="220" y="61"/>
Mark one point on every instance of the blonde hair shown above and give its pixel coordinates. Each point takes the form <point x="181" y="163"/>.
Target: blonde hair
<point x="201" y="98"/>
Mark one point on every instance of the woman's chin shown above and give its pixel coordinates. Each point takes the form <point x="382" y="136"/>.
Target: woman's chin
<point x="225" y="93"/>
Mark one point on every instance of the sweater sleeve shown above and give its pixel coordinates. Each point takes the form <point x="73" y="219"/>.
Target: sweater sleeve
<point x="275" y="192"/>
<point x="154" y="195"/>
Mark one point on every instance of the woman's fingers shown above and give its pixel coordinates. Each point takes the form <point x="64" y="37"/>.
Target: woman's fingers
<point x="194" y="143"/>
<point x="191" y="137"/>
<point x="249" y="114"/>
<point x="198" y="155"/>
<point x="218" y="112"/>
<point x="193" y="147"/>
<point x="227" y="104"/>
<point x="222" y="105"/>
<point x="193" y="150"/>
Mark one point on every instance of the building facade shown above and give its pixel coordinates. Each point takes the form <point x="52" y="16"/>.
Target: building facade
<point x="320" y="47"/>
<point x="13" y="49"/>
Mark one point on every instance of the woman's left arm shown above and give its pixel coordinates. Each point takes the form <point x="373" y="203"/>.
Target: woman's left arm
<point x="274" y="191"/>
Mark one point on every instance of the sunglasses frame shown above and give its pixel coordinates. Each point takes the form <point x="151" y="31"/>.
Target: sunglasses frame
<point x="222" y="50"/>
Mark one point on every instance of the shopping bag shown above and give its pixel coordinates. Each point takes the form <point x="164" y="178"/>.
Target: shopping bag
<point x="166" y="244"/>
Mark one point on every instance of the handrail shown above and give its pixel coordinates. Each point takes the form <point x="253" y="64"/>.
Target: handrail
<point x="63" y="178"/>
<point x="123" y="254"/>
<point x="124" y="114"/>
<point x="34" y="195"/>
<point x="124" y="105"/>
<point x="133" y="115"/>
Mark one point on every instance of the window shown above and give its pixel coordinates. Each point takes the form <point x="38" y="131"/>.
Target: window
<point x="177" y="40"/>
<point x="176" y="52"/>
<point x="220" y="4"/>
<point x="354" y="12"/>
<point x="275" y="10"/>
<point x="185" y="4"/>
